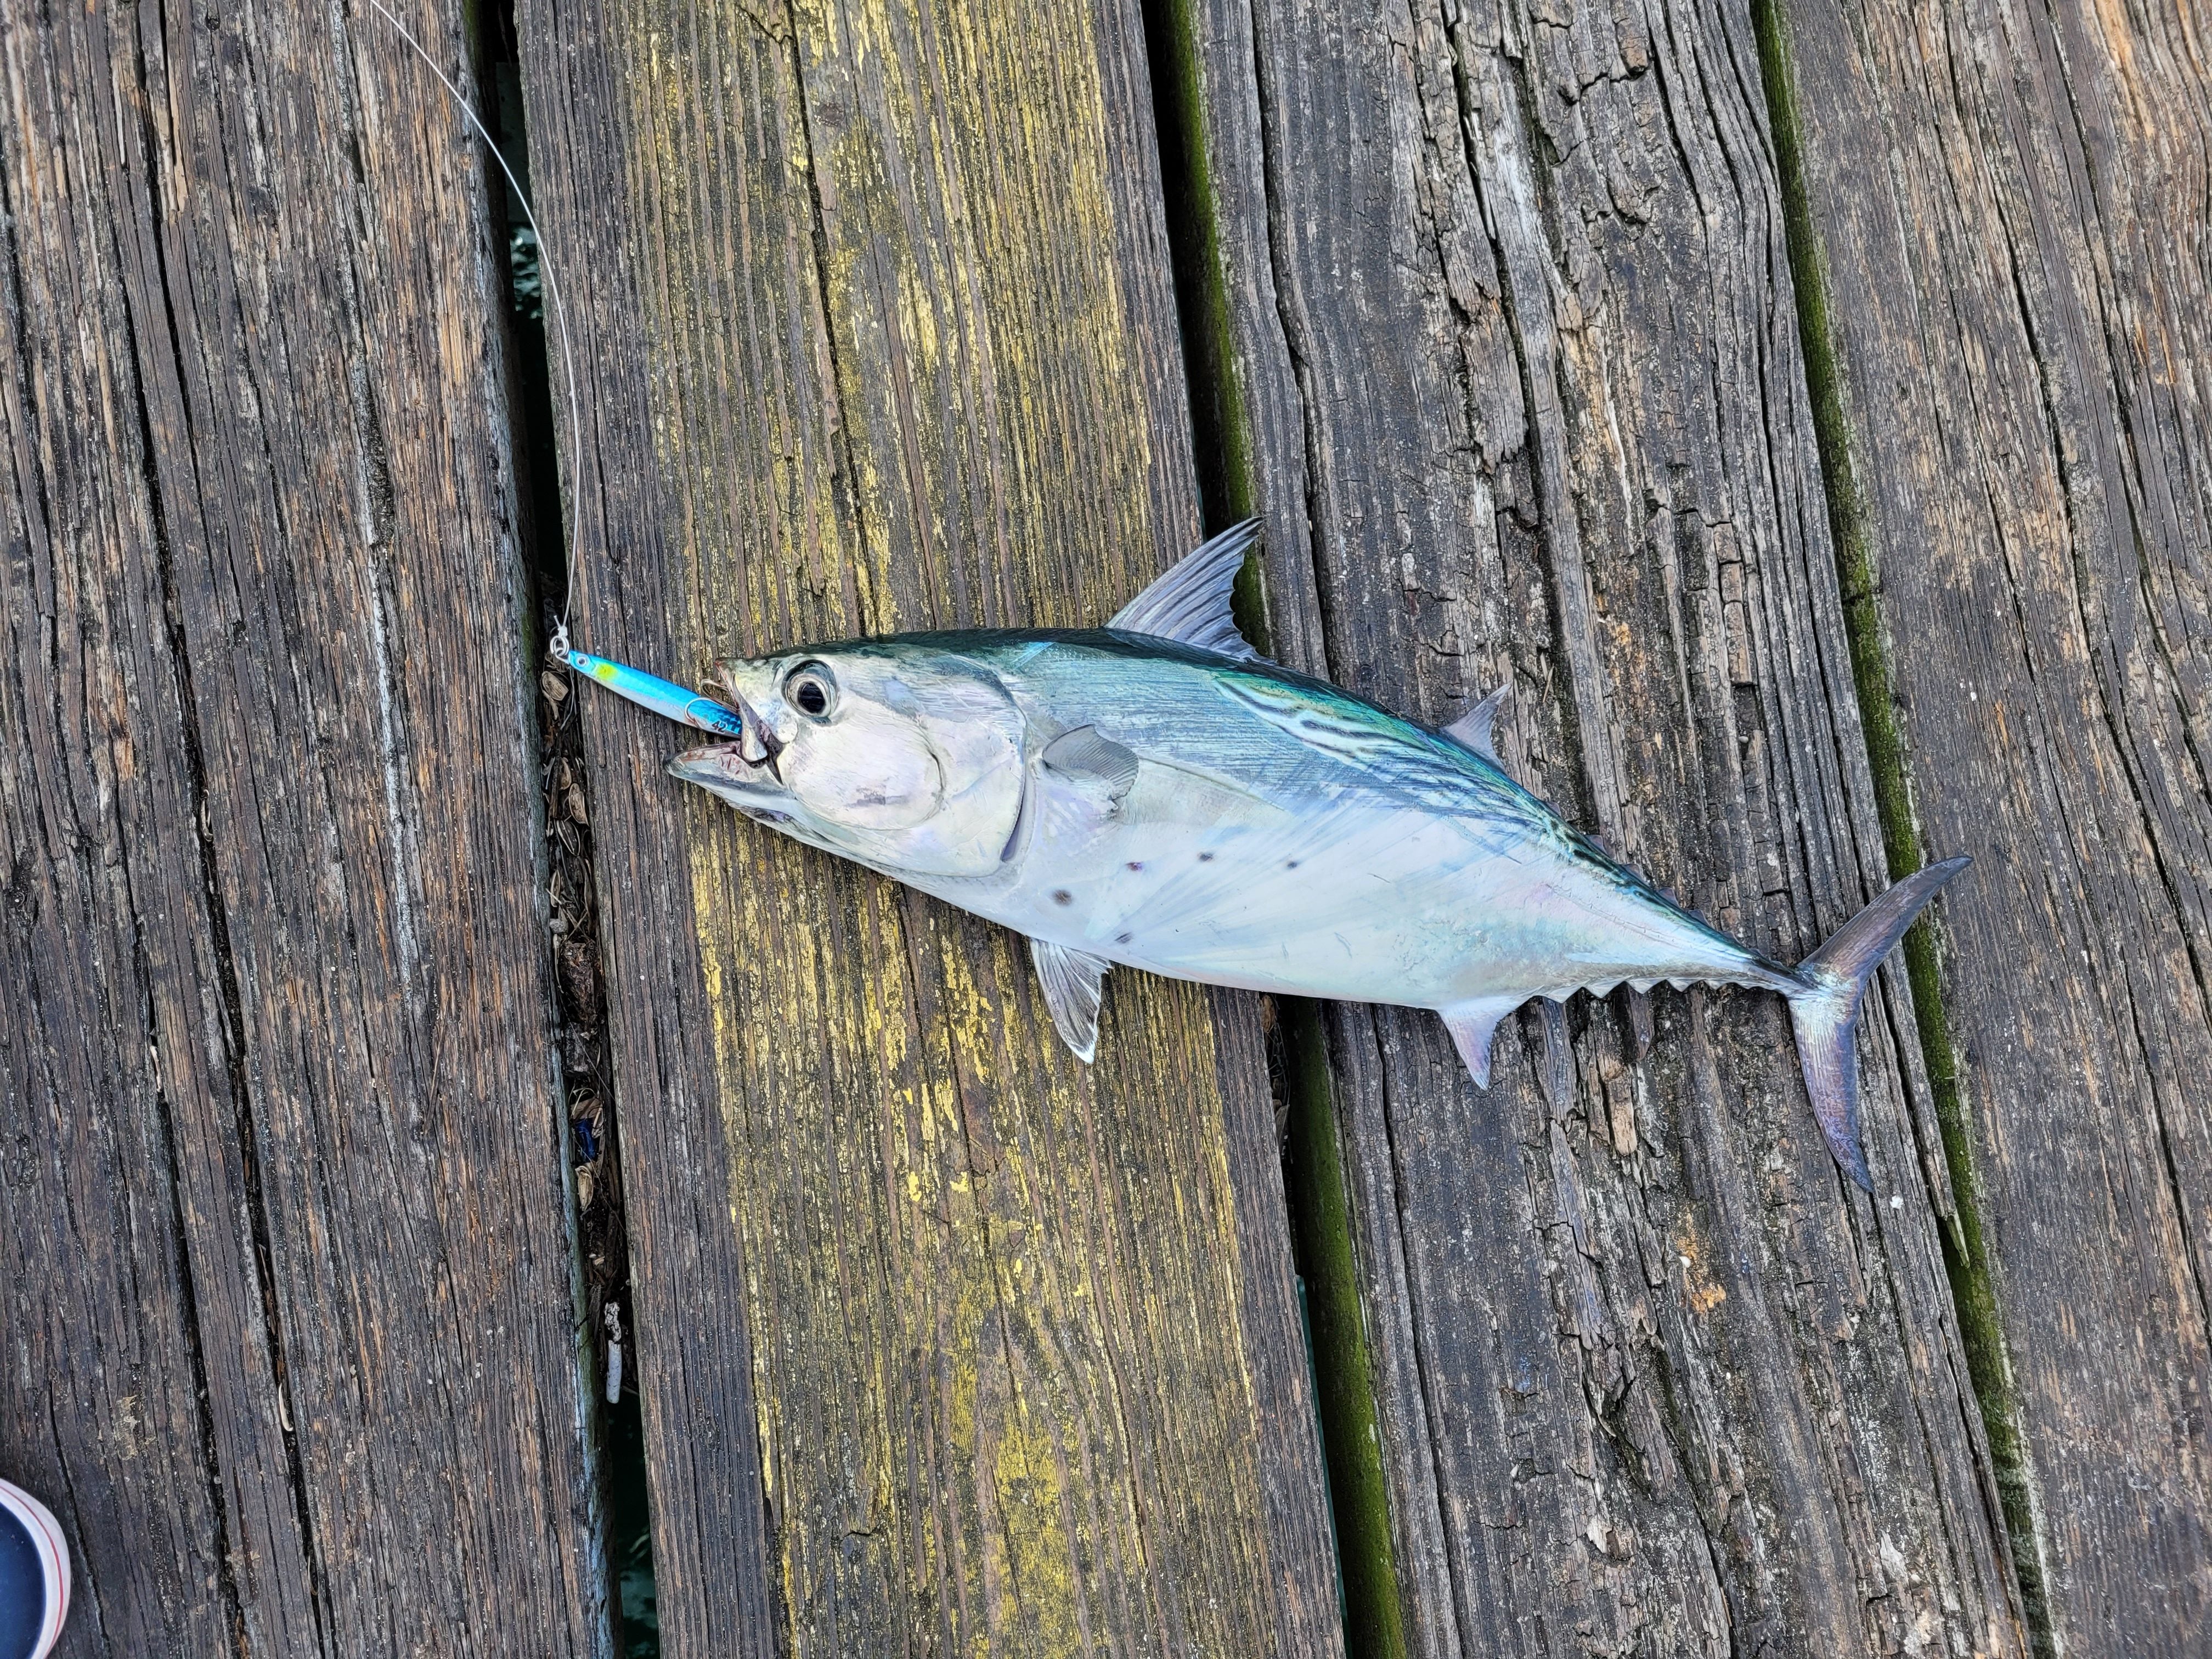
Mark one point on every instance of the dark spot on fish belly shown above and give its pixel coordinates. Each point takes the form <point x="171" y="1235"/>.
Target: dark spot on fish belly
<point x="1123" y="938"/>
<point x="1205" y="858"/>
<point x="1136" y="864"/>
<point x="1292" y="864"/>
<point x="1061" y="895"/>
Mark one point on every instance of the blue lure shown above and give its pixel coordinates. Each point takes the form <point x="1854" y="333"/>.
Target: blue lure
<point x="663" y="697"/>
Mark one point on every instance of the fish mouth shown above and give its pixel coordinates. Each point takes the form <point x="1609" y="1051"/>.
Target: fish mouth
<point x="722" y="768"/>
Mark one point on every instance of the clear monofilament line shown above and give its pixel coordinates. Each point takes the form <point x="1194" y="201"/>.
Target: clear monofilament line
<point x="552" y="294"/>
<point x="662" y="696"/>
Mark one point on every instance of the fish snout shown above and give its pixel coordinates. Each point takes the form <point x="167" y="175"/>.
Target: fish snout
<point x="724" y="769"/>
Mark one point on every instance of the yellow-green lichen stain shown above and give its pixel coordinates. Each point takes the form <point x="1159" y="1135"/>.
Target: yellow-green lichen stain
<point x="909" y="370"/>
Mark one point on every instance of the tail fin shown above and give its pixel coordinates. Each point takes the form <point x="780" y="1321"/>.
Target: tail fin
<point x="1825" y="1013"/>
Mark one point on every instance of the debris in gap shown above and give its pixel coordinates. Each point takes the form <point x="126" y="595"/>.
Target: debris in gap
<point x="593" y="1144"/>
<point x="1271" y="1039"/>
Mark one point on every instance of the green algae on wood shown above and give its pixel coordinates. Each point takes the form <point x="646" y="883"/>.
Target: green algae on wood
<point x="1966" y="1254"/>
<point x="2003" y="206"/>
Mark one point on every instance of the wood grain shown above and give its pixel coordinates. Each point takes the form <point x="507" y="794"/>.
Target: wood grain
<point x="2009" y="205"/>
<point x="1515" y="340"/>
<point x="289" y="1346"/>
<point x="947" y="1343"/>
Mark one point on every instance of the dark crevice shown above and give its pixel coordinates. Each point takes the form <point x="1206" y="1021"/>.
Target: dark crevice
<point x="26" y="392"/>
<point x="2084" y="586"/>
<point x="87" y="1591"/>
<point x="847" y="474"/>
<point x="190" y="731"/>
<point x="1190" y="145"/>
<point x="1227" y="492"/>
<point x="618" y="1529"/>
<point x="1456" y="1569"/>
<point x="1553" y="509"/>
<point x="1965" y="1256"/>
<point x="1321" y="1241"/>
<point x="188" y="1292"/>
<point x="233" y="1017"/>
<point x="1230" y="490"/>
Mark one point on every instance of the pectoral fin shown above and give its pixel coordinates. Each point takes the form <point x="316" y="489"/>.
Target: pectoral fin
<point x="1074" y="983"/>
<point x="1097" y="766"/>
<point x="1081" y="782"/>
<point x="1470" y="1024"/>
<point x="1075" y="790"/>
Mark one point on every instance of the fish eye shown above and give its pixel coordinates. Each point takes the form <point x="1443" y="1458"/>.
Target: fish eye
<point x="810" y="690"/>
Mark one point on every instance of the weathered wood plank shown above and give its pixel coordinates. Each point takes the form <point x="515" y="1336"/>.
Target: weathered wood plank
<point x="291" y="1351"/>
<point x="1513" y="326"/>
<point x="2010" y="204"/>
<point x="947" y="1342"/>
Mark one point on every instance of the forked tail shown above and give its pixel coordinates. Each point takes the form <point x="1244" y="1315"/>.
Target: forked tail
<point x="1825" y="1013"/>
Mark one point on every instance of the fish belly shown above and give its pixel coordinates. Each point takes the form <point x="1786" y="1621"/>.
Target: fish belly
<point x="1346" y="902"/>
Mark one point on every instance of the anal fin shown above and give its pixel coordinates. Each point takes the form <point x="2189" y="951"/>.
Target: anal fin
<point x="1471" y="1025"/>
<point x="1074" y="985"/>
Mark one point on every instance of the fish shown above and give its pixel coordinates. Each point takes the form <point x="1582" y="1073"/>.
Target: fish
<point x="1154" y="794"/>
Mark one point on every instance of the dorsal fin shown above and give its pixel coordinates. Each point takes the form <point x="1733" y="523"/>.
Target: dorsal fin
<point x="1477" y="729"/>
<point x="1189" y="602"/>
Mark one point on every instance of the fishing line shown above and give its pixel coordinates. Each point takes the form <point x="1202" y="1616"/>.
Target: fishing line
<point x="663" y="697"/>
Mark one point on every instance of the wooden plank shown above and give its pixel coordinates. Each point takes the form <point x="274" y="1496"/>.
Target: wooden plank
<point x="1508" y="301"/>
<point x="2009" y="205"/>
<point x="294" y="1359"/>
<point x="947" y="1343"/>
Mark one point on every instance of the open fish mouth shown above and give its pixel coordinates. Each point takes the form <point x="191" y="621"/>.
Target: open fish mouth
<point x="743" y="771"/>
<point x="752" y="788"/>
<point x="755" y="744"/>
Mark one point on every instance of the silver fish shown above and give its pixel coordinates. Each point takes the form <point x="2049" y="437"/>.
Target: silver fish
<point x="1154" y="793"/>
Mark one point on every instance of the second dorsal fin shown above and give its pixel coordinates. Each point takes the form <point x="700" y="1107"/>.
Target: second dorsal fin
<point x="1477" y="729"/>
<point x="1189" y="602"/>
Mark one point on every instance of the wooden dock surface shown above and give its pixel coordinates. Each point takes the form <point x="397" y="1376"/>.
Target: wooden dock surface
<point x="1650" y="1377"/>
<point x="290" y="1333"/>
<point x="994" y="1352"/>
<point x="1802" y="411"/>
